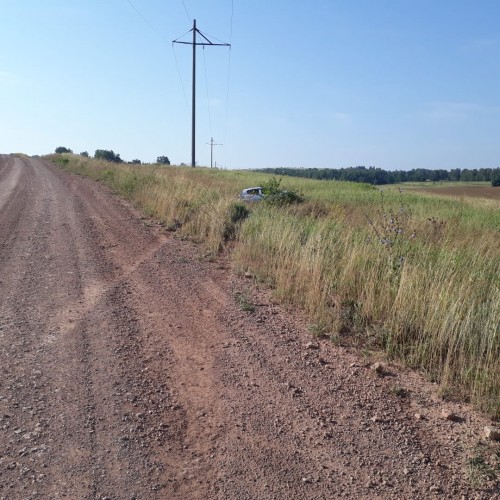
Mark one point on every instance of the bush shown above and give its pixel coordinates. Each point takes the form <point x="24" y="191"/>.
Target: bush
<point x="496" y="181"/>
<point x="163" y="160"/>
<point x="238" y="212"/>
<point x="63" y="161"/>
<point x="275" y="195"/>
<point x="84" y="154"/>
<point x="104" y="154"/>
<point x="62" y="149"/>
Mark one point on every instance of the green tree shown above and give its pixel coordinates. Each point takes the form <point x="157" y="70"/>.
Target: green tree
<point x="62" y="149"/>
<point x="163" y="160"/>
<point x="466" y="175"/>
<point x="85" y="154"/>
<point x="136" y="162"/>
<point x="107" y="155"/>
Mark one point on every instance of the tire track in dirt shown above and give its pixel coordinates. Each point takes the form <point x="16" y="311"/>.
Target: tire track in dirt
<point x="264" y="416"/>
<point x="60" y="291"/>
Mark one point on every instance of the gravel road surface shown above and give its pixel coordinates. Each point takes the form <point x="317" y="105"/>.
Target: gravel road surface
<point x="130" y="370"/>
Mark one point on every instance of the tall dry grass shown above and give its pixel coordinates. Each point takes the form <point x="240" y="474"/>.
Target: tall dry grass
<point x="188" y="202"/>
<point x="431" y="298"/>
<point x="414" y="274"/>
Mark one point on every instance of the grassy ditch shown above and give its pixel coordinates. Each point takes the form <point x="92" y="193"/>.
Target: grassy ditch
<point x="414" y="274"/>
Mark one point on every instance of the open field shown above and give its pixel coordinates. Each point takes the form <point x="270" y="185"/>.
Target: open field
<point x="443" y="184"/>
<point x="456" y="189"/>
<point x="467" y="191"/>
<point x="414" y="274"/>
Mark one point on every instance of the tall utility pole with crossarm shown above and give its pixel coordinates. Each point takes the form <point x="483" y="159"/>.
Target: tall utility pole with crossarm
<point x="212" y="144"/>
<point x="194" y="43"/>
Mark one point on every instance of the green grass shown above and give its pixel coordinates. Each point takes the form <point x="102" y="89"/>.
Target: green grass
<point x="414" y="274"/>
<point x="479" y="469"/>
<point x="244" y="303"/>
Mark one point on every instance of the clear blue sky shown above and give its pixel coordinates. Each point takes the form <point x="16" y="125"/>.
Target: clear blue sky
<point x="398" y="84"/>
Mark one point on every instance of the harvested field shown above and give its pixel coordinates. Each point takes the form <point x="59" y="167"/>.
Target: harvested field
<point x="469" y="191"/>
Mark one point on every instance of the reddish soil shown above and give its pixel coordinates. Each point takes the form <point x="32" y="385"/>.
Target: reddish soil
<point x="128" y="370"/>
<point x="468" y="191"/>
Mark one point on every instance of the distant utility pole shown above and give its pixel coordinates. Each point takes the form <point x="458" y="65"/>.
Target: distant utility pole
<point x="194" y="43"/>
<point x="212" y="144"/>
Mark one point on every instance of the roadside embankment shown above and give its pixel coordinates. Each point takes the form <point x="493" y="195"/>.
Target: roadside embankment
<point x="414" y="275"/>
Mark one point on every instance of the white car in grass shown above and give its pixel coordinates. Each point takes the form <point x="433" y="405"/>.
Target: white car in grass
<point x="252" y="194"/>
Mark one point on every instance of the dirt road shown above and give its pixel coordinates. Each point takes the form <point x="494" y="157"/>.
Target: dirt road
<point x="128" y="370"/>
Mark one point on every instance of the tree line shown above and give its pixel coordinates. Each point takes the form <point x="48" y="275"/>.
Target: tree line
<point x="111" y="156"/>
<point x="378" y="176"/>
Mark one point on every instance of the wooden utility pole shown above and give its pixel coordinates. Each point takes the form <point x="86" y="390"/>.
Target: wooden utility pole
<point x="194" y="43"/>
<point x="193" y="101"/>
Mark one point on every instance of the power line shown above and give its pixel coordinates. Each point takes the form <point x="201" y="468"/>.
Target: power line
<point x="146" y="21"/>
<point x="180" y="78"/>
<point x="229" y="69"/>
<point x="144" y="18"/>
<point x="232" y="14"/>
<point x="227" y="94"/>
<point x="208" y="97"/>
<point x="187" y="13"/>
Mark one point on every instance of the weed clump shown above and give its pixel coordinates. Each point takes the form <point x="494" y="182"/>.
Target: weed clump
<point x="480" y="470"/>
<point x="244" y="303"/>
<point x="277" y="196"/>
<point x="63" y="161"/>
<point x="237" y="213"/>
<point x="393" y="230"/>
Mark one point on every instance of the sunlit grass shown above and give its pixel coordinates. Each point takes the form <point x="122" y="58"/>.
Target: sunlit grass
<point x="417" y="275"/>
